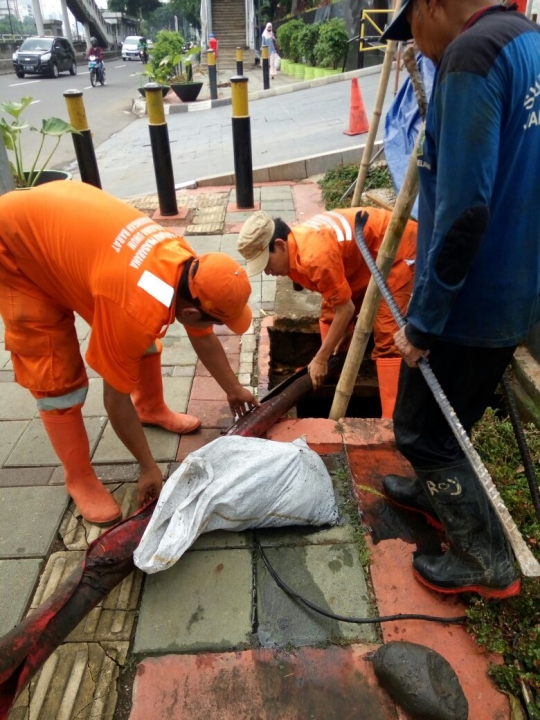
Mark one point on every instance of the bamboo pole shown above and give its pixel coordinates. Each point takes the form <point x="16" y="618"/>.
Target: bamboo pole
<point x="370" y="305"/>
<point x="377" y="112"/>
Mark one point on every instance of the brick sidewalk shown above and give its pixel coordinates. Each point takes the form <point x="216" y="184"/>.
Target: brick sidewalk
<point x="228" y="642"/>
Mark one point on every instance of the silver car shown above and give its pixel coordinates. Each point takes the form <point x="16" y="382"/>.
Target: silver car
<point x="130" y="48"/>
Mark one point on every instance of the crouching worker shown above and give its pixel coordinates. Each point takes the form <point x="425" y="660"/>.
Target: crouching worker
<point x="66" y="248"/>
<point x="322" y="255"/>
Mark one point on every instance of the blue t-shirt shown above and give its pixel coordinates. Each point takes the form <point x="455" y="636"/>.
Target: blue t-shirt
<point x="478" y="258"/>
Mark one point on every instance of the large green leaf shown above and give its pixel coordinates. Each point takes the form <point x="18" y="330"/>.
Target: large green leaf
<point x="14" y="108"/>
<point x="57" y="127"/>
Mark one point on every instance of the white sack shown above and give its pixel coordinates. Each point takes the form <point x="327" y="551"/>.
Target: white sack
<point x="235" y="483"/>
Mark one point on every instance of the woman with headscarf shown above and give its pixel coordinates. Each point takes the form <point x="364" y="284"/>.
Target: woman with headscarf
<point x="269" y="40"/>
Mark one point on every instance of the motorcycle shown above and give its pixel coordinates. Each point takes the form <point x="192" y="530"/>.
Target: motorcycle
<point x="97" y="71"/>
<point x="143" y="54"/>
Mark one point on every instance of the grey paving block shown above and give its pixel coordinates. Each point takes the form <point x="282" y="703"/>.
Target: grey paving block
<point x="201" y="603"/>
<point x="10" y="433"/>
<point x="17" y="580"/>
<point x="276" y="192"/>
<point x="34" y="449"/>
<point x="112" y="620"/>
<point x="79" y="680"/>
<point x="29" y="519"/>
<point x="7" y="376"/>
<point x="163" y="445"/>
<point x="93" y="405"/>
<point x="206" y="243"/>
<point x="221" y="539"/>
<point x="274" y="207"/>
<point x="238" y="217"/>
<point x="177" y="351"/>
<point x="288" y="216"/>
<point x="331" y="576"/>
<point x="256" y="195"/>
<point x="20" y="477"/>
<point x="16" y="403"/>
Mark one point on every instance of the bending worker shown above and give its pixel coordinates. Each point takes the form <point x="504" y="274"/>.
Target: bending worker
<point x="66" y="248"/>
<point x="322" y="255"/>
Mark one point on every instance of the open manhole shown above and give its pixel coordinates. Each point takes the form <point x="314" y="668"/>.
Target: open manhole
<point x="290" y="350"/>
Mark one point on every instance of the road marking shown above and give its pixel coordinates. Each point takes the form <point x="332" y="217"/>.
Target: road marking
<point x="87" y="87"/>
<point x="118" y="66"/>
<point x="29" y="82"/>
<point x="34" y="102"/>
<point x="86" y="72"/>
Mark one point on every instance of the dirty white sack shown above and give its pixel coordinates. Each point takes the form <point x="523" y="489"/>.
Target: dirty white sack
<point x="235" y="483"/>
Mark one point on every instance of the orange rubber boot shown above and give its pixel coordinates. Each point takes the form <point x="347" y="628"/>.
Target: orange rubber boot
<point x="388" y="375"/>
<point x="68" y="437"/>
<point x="150" y="403"/>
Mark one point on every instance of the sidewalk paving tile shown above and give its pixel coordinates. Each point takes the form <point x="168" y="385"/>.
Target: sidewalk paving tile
<point x="18" y="477"/>
<point x="223" y="540"/>
<point x="34" y="449"/>
<point x="211" y="413"/>
<point x="16" y="403"/>
<point x="207" y="388"/>
<point x="17" y="581"/>
<point x="163" y="445"/>
<point x="331" y="684"/>
<point x="10" y="433"/>
<point x="194" y="441"/>
<point x="29" y="519"/>
<point x="274" y="206"/>
<point x="177" y="351"/>
<point x="202" y="603"/>
<point x="276" y="192"/>
<point x="330" y="576"/>
<point x="77" y="681"/>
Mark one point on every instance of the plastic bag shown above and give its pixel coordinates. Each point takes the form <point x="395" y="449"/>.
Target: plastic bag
<point x="235" y="483"/>
<point x="277" y="62"/>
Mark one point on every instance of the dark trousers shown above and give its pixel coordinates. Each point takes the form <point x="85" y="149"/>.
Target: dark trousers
<point x="469" y="376"/>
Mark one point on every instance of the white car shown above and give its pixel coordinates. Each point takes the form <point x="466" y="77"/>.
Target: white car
<point x="130" y="48"/>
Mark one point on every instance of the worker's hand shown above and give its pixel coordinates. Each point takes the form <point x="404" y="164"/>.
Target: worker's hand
<point x="318" y="370"/>
<point x="149" y="485"/>
<point x="241" y="401"/>
<point x="409" y="353"/>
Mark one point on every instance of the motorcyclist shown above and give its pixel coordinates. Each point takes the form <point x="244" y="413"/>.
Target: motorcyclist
<point x="97" y="52"/>
<point x="143" y="50"/>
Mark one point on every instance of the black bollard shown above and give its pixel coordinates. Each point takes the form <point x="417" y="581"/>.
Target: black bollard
<point x="212" y="74"/>
<point x="241" y="127"/>
<point x="161" y="149"/>
<point x="83" y="143"/>
<point x="239" y="61"/>
<point x="265" y="67"/>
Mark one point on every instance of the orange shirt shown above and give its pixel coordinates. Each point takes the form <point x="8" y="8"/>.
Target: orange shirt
<point x="101" y="258"/>
<point x="324" y="256"/>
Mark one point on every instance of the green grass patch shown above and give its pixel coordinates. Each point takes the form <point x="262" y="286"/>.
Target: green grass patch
<point x="336" y="182"/>
<point x="511" y="627"/>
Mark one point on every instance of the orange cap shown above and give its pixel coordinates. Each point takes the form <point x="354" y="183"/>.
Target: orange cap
<point x="222" y="288"/>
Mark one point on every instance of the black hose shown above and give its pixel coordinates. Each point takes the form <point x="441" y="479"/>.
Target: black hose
<point x="521" y="440"/>
<point x="459" y="620"/>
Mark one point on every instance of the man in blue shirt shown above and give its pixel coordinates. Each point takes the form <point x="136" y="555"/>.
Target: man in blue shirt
<point x="477" y="281"/>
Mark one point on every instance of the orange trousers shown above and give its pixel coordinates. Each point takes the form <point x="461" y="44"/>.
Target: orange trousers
<point x="400" y="282"/>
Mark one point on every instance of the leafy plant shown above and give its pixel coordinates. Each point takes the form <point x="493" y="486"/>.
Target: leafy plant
<point x="332" y="45"/>
<point x="287" y="37"/>
<point x="168" y="44"/>
<point x="336" y="182"/>
<point x="12" y="135"/>
<point x="307" y="39"/>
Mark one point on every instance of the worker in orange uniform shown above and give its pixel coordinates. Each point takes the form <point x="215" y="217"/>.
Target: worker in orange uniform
<point x="66" y="248"/>
<point x="322" y="255"/>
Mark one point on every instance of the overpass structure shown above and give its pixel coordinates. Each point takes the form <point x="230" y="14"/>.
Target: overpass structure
<point x="109" y="28"/>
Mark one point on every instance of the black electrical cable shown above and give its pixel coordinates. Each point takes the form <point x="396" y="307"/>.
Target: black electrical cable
<point x="521" y="440"/>
<point x="459" y="620"/>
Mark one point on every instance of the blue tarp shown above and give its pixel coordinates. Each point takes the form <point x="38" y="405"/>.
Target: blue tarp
<point x="402" y="123"/>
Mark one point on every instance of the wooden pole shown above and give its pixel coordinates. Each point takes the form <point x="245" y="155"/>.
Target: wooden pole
<point x="377" y="112"/>
<point x="370" y="305"/>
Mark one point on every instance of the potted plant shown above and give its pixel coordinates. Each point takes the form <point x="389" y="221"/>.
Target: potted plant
<point x="332" y="45"/>
<point x="286" y="37"/>
<point x="153" y="76"/>
<point x="183" y="84"/>
<point x="307" y="39"/>
<point x="53" y="128"/>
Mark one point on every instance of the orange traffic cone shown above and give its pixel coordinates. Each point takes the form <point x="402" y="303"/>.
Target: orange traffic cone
<point x="358" y="121"/>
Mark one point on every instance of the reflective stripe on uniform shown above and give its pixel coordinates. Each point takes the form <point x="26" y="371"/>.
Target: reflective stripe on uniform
<point x="62" y="402"/>
<point x="345" y="224"/>
<point x="324" y="220"/>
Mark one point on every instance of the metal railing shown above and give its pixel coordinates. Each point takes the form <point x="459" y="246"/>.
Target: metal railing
<point x="367" y="21"/>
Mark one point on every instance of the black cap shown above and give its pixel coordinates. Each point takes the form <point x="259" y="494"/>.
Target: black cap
<point x="399" y="28"/>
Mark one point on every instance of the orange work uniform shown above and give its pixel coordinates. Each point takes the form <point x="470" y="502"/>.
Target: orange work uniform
<point x="75" y="249"/>
<point x="324" y="256"/>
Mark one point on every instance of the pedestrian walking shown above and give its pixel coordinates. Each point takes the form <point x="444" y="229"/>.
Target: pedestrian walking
<point x="67" y="248"/>
<point x="477" y="280"/>
<point x="269" y="41"/>
<point x="322" y="255"/>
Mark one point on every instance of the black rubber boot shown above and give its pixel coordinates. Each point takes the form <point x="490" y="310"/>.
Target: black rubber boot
<point x="409" y="495"/>
<point x="479" y="559"/>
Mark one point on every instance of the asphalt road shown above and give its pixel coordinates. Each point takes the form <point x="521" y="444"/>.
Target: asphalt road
<point x="108" y="108"/>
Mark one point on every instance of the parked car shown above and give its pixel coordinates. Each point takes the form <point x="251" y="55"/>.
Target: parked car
<point x="44" y="56"/>
<point x="130" y="48"/>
